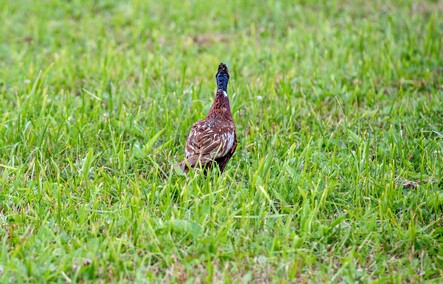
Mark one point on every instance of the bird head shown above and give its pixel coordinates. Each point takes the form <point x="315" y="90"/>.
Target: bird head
<point x="222" y="77"/>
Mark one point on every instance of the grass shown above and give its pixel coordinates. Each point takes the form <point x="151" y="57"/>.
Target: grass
<point x="338" y="172"/>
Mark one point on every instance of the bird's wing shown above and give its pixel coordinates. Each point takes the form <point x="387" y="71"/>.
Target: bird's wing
<point x="210" y="139"/>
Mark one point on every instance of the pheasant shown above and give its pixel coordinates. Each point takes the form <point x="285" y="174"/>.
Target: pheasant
<point x="213" y="140"/>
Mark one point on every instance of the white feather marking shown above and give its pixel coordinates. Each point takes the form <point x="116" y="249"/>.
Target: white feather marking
<point x="225" y="94"/>
<point x="229" y="138"/>
<point x="189" y="150"/>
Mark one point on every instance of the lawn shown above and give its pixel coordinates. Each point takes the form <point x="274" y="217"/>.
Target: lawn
<point x="338" y="173"/>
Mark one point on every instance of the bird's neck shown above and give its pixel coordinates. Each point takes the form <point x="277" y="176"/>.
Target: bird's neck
<point x="220" y="107"/>
<point x="222" y="81"/>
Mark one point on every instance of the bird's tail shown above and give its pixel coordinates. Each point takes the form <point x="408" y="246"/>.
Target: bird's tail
<point x="222" y="77"/>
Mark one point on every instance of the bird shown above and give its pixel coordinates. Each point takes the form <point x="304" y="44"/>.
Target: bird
<point x="213" y="140"/>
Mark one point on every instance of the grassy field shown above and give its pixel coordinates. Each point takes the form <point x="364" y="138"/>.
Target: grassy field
<point x="338" y="176"/>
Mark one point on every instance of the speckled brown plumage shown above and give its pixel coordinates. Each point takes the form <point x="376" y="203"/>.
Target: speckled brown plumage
<point x="213" y="140"/>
